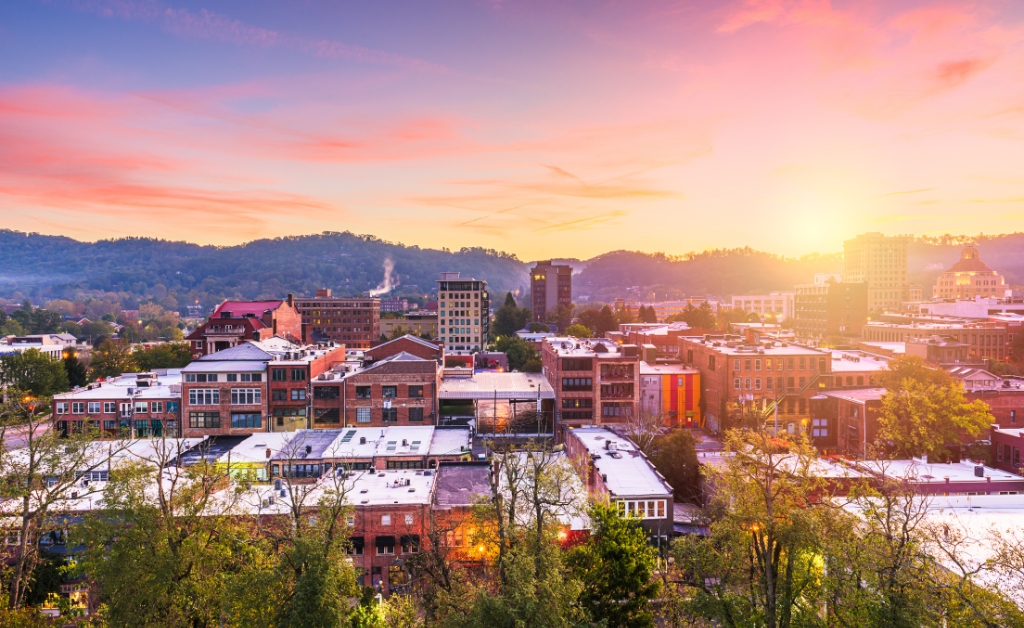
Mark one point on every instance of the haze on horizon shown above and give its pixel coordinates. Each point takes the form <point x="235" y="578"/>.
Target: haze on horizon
<point x="542" y="129"/>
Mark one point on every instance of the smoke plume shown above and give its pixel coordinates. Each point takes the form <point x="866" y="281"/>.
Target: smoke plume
<point x="389" y="283"/>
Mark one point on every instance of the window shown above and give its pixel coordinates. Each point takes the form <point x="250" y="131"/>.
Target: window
<point x="408" y="520"/>
<point x="737" y="383"/>
<point x="385" y="520"/>
<point x="298" y="394"/>
<point x="279" y="394"/>
<point x="1013" y="416"/>
<point x="241" y="420"/>
<point x="94" y="407"/>
<point x="362" y="415"/>
<point x="385" y="545"/>
<point x="778" y="364"/>
<point x="326" y="415"/>
<point x="643" y="509"/>
<point x="141" y="407"/>
<point x="768" y="383"/>
<point x="577" y="383"/>
<point x="109" y="407"/>
<point x="77" y="407"/>
<point x="256" y="377"/>
<point x="736" y="364"/>
<point x="757" y="383"/>
<point x="203" y="420"/>
<point x="156" y="407"/>
<point x="416" y="414"/>
<point x="246" y="396"/>
<point x="410" y="543"/>
<point x="232" y="377"/>
<point x="415" y="392"/>
<point x="279" y="375"/>
<point x="389" y="415"/>
<point x="819" y="428"/>
<point x="172" y="406"/>
<point x="711" y="362"/>
<point x="789" y="363"/>
<point x="757" y="364"/>
<point x="62" y="407"/>
<point x="768" y="364"/>
<point x="190" y="377"/>
<point x="298" y="375"/>
<point x="326" y="392"/>
<point x="362" y="392"/>
<point x="747" y="383"/>
<point x="204" y="397"/>
<point x="389" y="392"/>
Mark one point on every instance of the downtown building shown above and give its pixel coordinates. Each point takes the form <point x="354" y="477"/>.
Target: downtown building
<point x="236" y="322"/>
<point x="881" y="263"/>
<point x="464" y="311"/>
<point x="969" y="278"/>
<point x="550" y="286"/>
<point x="352" y="321"/>
<point x="830" y="308"/>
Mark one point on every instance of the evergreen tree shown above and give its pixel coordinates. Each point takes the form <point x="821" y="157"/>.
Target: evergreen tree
<point x="75" y="370"/>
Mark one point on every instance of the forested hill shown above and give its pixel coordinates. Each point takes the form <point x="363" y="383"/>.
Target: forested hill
<point x="44" y="267"/>
<point x="719" y="273"/>
<point x="47" y="267"/>
<point x="746" y="271"/>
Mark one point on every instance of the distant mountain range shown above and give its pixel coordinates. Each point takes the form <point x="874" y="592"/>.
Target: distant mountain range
<point x="46" y="267"/>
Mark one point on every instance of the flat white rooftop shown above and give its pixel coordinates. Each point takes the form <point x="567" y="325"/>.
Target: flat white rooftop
<point x="629" y="472"/>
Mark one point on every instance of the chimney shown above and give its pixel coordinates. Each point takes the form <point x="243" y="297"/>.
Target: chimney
<point x="291" y="300"/>
<point x="268" y="452"/>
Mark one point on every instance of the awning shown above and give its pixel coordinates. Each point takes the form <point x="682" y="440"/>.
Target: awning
<point x="385" y="541"/>
<point x="358" y="543"/>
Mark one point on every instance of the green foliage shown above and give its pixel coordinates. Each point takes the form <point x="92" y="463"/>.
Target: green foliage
<point x="616" y="569"/>
<point x="163" y="356"/>
<point x="112" y="358"/>
<point x="924" y="410"/>
<point x="646" y="314"/>
<point x="533" y="365"/>
<point x="76" y="372"/>
<point x="997" y="367"/>
<point x="518" y="351"/>
<point x="33" y="372"/>
<point x="509" y="318"/>
<point x="674" y="455"/>
<point x="560" y="316"/>
<point x="702" y="317"/>
<point x="578" y="331"/>
<point x="598" y="321"/>
<point x="37" y="320"/>
<point x="535" y="328"/>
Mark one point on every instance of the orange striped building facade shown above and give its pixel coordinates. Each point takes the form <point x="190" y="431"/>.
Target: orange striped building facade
<point x="672" y="391"/>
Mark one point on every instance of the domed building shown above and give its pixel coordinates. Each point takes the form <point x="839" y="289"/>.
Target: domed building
<point x="969" y="278"/>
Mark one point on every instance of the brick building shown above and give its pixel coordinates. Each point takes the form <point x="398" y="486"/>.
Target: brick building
<point x="614" y="469"/>
<point x="672" y="391"/>
<point x="423" y="349"/>
<point x="845" y="421"/>
<point x="739" y="378"/>
<point x="983" y="339"/>
<point x="1007" y="444"/>
<point x="400" y="389"/>
<point x="134" y="405"/>
<point x="830" y="309"/>
<point x="968" y="278"/>
<point x="550" y="286"/>
<point x="596" y="382"/>
<point x="253" y="387"/>
<point x="354" y="321"/>
<point x="234" y="322"/>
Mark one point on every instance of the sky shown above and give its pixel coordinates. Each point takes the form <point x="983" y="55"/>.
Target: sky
<point x="536" y="127"/>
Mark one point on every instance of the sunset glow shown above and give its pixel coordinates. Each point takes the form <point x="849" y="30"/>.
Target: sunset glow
<point x="544" y="129"/>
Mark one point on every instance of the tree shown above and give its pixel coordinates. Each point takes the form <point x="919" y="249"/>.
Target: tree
<point x="757" y="568"/>
<point x="599" y="321"/>
<point x="37" y="477"/>
<point x="535" y="328"/>
<point x="560" y="316"/>
<point x="578" y="331"/>
<point x="702" y="317"/>
<point x="163" y="551"/>
<point x="168" y="355"/>
<point x="624" y="316"/>
<point x="509" y="318"/>
<point x="616" y="567"/>
<point x="112" y="358"/>
<point x="643" y="428"/>
<point x="34" y="373"/>
<point x="647" y="314"/>
<point x="518" y="351"/>
<point x="925" y="410"/>
<point x="674" y="455"/>
<point x="75" y="370"/>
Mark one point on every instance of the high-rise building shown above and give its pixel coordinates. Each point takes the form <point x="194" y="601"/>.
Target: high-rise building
<point x="464" y="310"/>
<point x="550" y="286"/>
<point x="354" y="321"/>
<point x="880" y="262"/>
<point x="830" y="308"/>
<point x="969" y="278"/>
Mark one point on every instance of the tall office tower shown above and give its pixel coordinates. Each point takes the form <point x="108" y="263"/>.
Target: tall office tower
<point x="463" y="311"/>
<point x="550" y="286"/>
<point x="880" y="262"/>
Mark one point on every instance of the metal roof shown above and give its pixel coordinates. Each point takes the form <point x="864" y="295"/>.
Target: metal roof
<point x="497" y="385"/>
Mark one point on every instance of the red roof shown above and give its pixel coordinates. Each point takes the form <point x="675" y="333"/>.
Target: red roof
<point x="969" y="262"/>
<point x="239" y="309"/>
